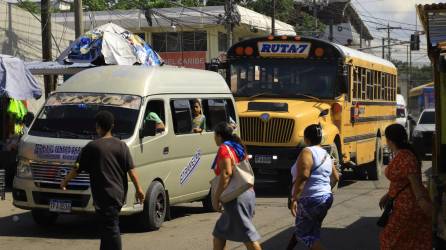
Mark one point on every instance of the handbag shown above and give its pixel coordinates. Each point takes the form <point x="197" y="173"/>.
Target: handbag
<point x="388" y="209"/>
<point x="242" y="179"/>
<point x="311" y="172"/>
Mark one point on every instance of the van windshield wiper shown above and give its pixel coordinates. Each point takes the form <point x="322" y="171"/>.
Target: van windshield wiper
<point x="263" y="94"/>
<point x="309" y="97"/>
<point x="66" y="133"/>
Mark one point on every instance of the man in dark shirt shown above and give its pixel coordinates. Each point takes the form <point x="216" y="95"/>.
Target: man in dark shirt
<point x="108" y="161"/>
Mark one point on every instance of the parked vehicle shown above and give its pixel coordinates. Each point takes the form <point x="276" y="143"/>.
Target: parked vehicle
<point x="283" y="84"/>
<point x="401" y="113"/>
<point x="173" y="164"/>
<point x="423" y="133"/>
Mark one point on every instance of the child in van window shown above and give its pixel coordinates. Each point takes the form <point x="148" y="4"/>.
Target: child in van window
<point x="198" y="119"/>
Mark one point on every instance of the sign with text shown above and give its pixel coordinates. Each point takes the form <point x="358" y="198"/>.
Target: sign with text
<point x="284" y="49"/>
<point x="188" y="59"/>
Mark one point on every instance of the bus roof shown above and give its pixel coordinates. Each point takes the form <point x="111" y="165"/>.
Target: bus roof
<point x="349" y="52"/>
<point x="359" y="58"/>
<point x="419" y="90"/>
<point x="143" y="81"/>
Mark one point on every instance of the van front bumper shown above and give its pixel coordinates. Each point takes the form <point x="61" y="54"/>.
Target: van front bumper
<point x="272" y="161"/>
<point x="26" y="195"/>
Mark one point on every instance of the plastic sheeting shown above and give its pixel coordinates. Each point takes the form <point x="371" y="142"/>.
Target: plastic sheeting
<point x="110" y="44"/>
<point x="16" y="81"/>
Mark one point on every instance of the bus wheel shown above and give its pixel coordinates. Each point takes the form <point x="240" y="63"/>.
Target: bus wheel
<point x="155" y="207"/>
<point x="334" y="153"/>
<point x="374" y="168"/>
<point x="44" y="217"/>
<point x="207" y="203"/>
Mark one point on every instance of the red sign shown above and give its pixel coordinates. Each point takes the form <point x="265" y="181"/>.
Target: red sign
<point x="188" y="59"/>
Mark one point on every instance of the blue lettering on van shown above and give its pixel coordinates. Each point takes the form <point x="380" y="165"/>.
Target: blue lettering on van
<point x="56" y="152"/>
<point x="187" y="172"/>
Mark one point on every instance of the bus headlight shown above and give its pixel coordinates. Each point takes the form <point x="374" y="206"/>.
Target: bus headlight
<point x="24" y="169"/>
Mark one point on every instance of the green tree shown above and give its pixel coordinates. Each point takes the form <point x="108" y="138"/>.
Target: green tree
<point x="306" y="25"/>
<point x="29" y="6"/>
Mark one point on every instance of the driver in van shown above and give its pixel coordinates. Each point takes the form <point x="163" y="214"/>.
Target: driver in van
<point x="152" y="116"/>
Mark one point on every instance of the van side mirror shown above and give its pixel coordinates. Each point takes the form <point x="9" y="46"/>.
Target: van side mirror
<point x="28" y="119"/>
<point x="148" y="129"/>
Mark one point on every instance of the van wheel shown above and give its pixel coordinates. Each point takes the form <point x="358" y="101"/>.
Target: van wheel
<point x="44" y="217"/>
<point x="155" y="207"/>
<point x="207" y="203"/>
<point x="334" y="153"/>
<point x="374" y="168"/>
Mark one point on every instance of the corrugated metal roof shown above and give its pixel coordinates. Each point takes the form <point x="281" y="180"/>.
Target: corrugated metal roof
<point x="433" y="18"/>
<point x="165" y="17"/>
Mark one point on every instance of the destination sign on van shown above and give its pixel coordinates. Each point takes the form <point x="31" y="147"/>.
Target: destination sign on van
<point x="284" y="49"/>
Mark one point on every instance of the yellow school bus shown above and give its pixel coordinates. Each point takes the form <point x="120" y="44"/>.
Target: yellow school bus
<point x="283" y="84"/>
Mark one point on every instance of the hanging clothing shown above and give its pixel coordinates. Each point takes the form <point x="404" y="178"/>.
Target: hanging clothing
<point x="17" y="109"/>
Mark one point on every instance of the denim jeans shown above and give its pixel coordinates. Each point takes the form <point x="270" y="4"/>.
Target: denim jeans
<point x="110" y="233"/>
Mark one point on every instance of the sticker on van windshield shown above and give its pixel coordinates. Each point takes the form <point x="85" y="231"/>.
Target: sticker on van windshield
<point x="187" y="172"/>
<point x="56" y="152"/>
<point x="122" y="101"/>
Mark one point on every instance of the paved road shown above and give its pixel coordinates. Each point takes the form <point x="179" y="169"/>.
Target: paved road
<point x="350" y="224"/>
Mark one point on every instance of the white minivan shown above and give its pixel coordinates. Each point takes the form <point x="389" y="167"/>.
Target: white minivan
<point x="173" y="164"/>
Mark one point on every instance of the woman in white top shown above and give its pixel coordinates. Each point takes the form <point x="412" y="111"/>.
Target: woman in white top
<point x="311" y="193"/>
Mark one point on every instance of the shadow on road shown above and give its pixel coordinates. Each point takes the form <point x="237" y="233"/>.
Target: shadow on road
<point x="362" y="234"/>
<point x="86" y="226"/>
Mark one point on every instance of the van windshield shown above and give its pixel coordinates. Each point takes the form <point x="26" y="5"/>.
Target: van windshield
<point x="72" y="115"/>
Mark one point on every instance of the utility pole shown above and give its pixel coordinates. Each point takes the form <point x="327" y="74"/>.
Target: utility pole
<point x="47" y="50"/>
<point x="273" y="19"/>
<point x="229" y="27"/>
<point x="330" y="36"/>
<point x="383" y="48"/>
<point x="388" y="28"/>
<point x="78" y="18"/>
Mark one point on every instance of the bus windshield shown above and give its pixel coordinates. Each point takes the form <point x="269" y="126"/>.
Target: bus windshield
<point x="72" y="115"/>
<point x="284" y="78"/>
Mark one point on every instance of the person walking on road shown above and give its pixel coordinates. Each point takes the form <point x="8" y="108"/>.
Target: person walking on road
<point x="235" y="222"/>
<point x="311" y="192"/>
<point x="108" y="161"/>
<point x="409" y="225"/>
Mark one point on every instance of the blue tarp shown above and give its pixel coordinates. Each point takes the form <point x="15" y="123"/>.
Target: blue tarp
<point x="16" y="81"/>
<point x="110" y="44"/>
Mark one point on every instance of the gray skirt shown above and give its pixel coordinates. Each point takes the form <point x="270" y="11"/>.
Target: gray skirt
<point x="235" y="223"/>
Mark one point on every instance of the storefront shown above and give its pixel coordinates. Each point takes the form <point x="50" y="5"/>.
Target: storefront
<point x="188" y="37"/>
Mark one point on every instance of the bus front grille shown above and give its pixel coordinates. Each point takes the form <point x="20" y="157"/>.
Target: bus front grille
<point x="50" y="176"/>
<point x="275" y="130"/>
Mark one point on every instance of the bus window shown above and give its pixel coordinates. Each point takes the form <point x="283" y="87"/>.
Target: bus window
<point x="287" y="79"/>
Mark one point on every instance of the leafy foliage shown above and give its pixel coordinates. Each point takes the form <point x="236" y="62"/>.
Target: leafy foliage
<point x="29" y="6"/>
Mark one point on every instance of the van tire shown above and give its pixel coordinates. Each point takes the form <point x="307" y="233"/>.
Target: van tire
<point x="44" y="217"/>
<point x="334" y="153"/>
<point x="155" y="207"/>
<point x="374" y="168"/>
<point x="207" y="203"/>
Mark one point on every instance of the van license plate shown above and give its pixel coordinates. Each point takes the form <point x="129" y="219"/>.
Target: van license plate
<point x="60" y="206"/>
<point x="263" y="159"/>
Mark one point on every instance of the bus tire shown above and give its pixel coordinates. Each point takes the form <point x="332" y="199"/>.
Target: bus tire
<point x="334" y="153"/>
<point x="155" y="207"/>
<point x="43" y="217"/>
<point x="207" y="203"/>
<point x="374" y="168"/>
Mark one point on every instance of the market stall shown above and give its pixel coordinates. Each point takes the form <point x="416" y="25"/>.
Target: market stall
<point x="17" y="86"/>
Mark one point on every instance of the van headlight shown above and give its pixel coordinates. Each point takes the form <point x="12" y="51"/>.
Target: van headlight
<point x="24" y="169"/>
<point x="417" y="133"/>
